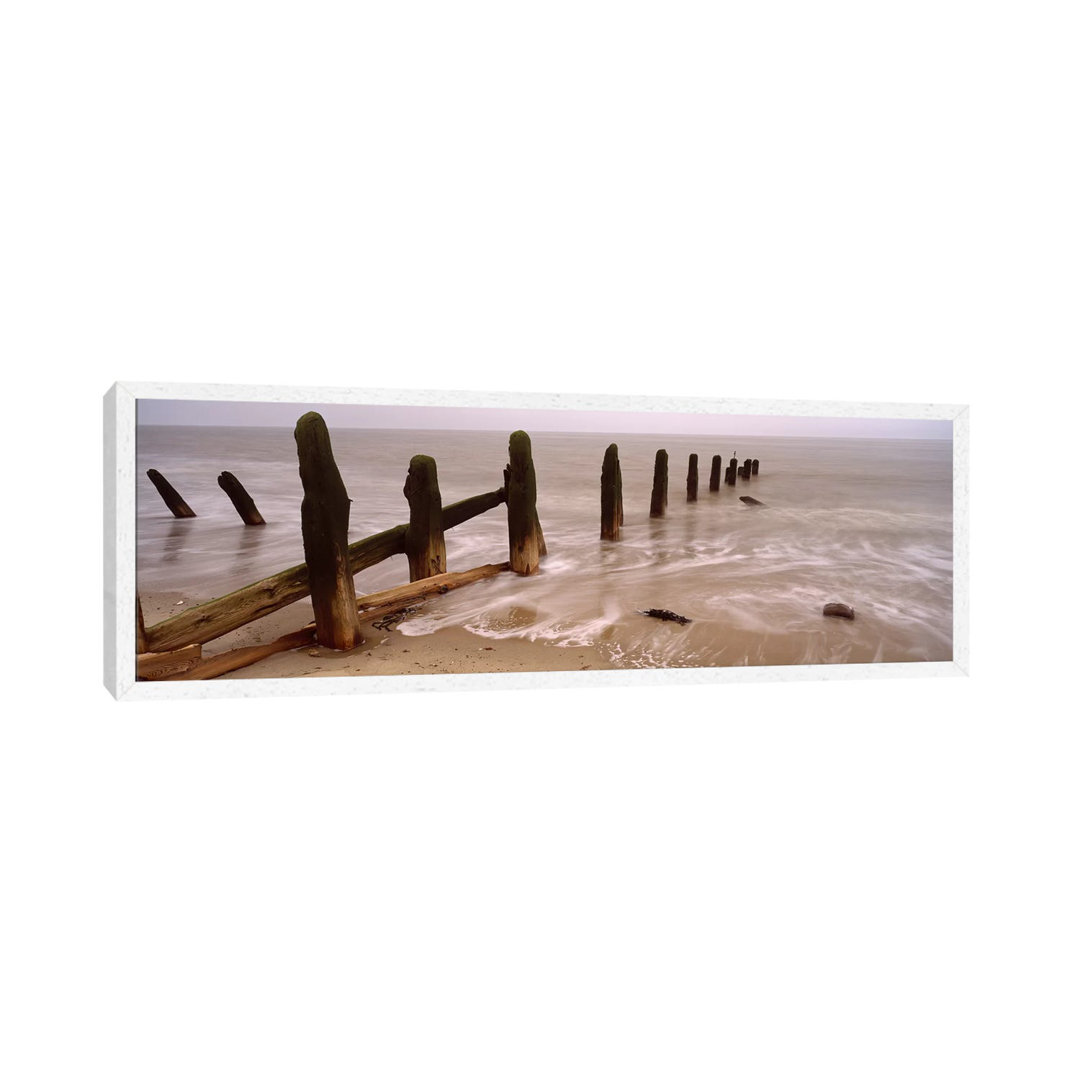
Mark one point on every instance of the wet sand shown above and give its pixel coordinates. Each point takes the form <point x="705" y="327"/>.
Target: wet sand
<point x="384" y="652"/>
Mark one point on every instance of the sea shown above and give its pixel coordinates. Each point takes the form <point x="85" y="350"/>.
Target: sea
<point x="864" y="522"/>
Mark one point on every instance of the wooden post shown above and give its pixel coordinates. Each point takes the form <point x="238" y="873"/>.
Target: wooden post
<point x="610" y="494"/>
<point x="171" y="496"/>
<point x="746" y="469"/>
<point x="324" y="521"/>
<point x="244" y="503"/>
<point x="425" y="544"/>
<point x="140" y="627"/>
<point x="732" y="471"/>
<point x="714" y="475"/>
<point x="659" y="485"/>
<point x="691" y="479"/>
<point x="618" y="489"/>
<point x="754" y="467"/>
<point x="523" y="523"/>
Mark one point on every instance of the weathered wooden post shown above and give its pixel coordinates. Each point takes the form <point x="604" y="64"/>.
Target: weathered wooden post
<point x="140" y="627"/>
<point x="754" y="467"/>
<point x="425" y="544"/>
<point x="746" y="469"/>
<point x="244" y="503"/>
<point x="691" y="479"/>
<point x="526" y="539"/>
<point x="732" y="471"/>
<point x="610" y="494"/>
<point x="324" y="521"/>
<point x="170" y="495"/>
<point x="659" y="485"/>
<point x="714" y="475"/>
<point x="618" y="488"/>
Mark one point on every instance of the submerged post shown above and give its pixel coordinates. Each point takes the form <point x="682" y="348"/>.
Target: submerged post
<point x="170" y="495"/>
<point x="610" y="495"/>
<point x="691" y="479"/>
<point x="746" y="469"/>
<point x="523" y="523"/>
<point x="244" y="503"/>
<point x="732" y="471"/>
<point x="425" y="544"/>
<point x="754" y="467"/>
<point x="714" y="475"/>
<point x="324" y="521"/>
<point x="659" y="485"/>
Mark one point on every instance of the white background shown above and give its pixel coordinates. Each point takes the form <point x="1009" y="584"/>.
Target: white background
<point x="840" y="201"/>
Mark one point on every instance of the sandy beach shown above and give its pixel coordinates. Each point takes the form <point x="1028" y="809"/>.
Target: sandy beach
<point x="384" y="652"/>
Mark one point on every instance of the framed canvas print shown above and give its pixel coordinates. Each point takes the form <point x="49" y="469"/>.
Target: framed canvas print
<point x="302" y="540"/>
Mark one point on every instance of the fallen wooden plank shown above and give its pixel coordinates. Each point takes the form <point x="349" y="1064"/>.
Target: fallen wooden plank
<point x="235" y="659"/>
<point x="152" y="667"/>
<point x="224" y="614"/>
<point x="425" y="587"/>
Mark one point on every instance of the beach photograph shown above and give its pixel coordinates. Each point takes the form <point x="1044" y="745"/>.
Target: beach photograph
<point x="303" y="540"/>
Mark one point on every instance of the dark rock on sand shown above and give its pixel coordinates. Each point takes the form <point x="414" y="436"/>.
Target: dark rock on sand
<point x="841" y="611"/>
<point x="667" y="616"/>
<point x="750" y="501"/>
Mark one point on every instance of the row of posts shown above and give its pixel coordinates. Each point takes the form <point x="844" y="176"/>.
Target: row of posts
<point x="611" y="497"/>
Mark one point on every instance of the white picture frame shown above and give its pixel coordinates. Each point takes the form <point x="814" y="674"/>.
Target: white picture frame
<point x="120" y="541"/>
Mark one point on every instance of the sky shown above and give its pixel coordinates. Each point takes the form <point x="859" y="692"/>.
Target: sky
<point x="153" y="412"/>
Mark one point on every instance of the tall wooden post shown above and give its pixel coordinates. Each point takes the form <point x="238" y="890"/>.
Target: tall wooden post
<point x="754" y="467"/>
<point x="746" y="469"/>
<point x="425" y="544"/>
<point x="244" y="503"/>
<point x="691" y="479"/>
<point x="732" y="471"/>
<point x="610" y="494"/>
<point x="324" y="521"/>
<point x="714" y="475"/>
<point x="659" y="485"/>
<point x="523" y="523"/>
<point x="170" y="495"/>
<point x="618" y="488"/>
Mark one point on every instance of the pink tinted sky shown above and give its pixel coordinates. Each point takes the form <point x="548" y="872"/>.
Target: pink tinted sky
<point x="432" y="417"/>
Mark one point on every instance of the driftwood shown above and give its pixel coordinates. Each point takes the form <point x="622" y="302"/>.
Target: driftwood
<point x="170" y="495"/>
<point x="658" y="503"/>
<point x="750" y="501"/>
<point x="152" y="667"/>
<point x="425" y="544"/>
<point x="235" y="659"/>
<point x="841" y="611"/>
<point x="375" y="603"/>
<point x="324" y="522"/>
<point x="610" y="495"/>
<point x="523" y="523"/>
<point x="241" y="500"/>
<point x="691" y="479"/>
<point x="667" y="616"/>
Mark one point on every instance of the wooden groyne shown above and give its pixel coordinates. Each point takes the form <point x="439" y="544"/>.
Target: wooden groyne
<point x="691" y="479"/>
<point x="659" y="486"/>
<point x="331" y="563"/>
